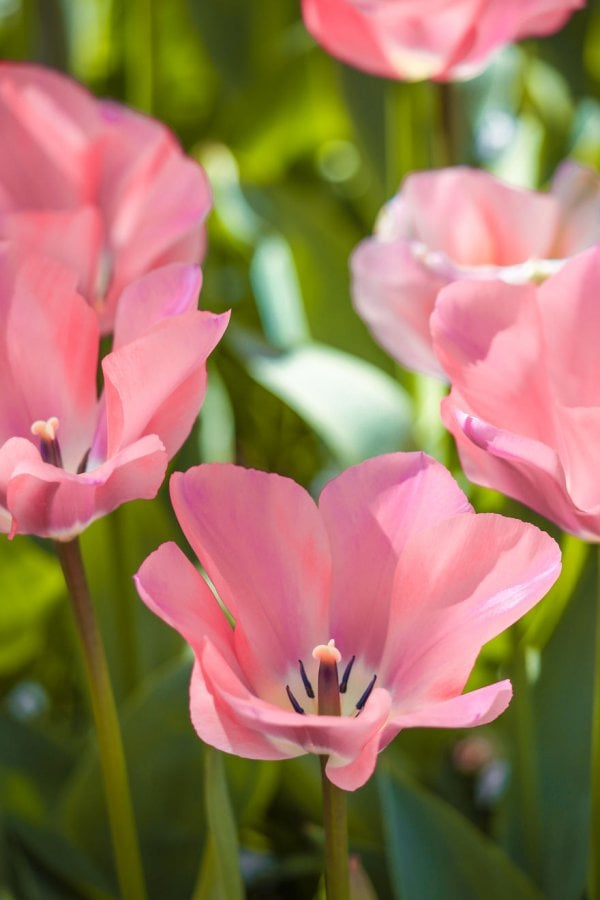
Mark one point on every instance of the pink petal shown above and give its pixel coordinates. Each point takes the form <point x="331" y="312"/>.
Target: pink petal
<point x="168" y="291"/>
<point x="478" y="220"/>
<point x="48" y="358"/>
<point x="156" y="384"/>
<point x="288" y="733"/>
<point x="49" y="502"/>
<point x="487" y="571"/>
<point x="72" y="237"/>
<point x="369" y="512"/>
<point x="487" y="337"/>
<point x="465" y="711"/>
<point x="44" y="118"/>
<point x="261" y="540"/>
<point x="570" y="323"/>
<point x="517" y="466"/>
<point x="395" y="296"/>
<point x="175" y="591"/>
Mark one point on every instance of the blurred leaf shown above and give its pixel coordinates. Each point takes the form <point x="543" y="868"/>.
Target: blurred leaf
<point x="544" y="618"/>
<point x="433" y="851"/>
<point x="52" y="867"/>
<point x="357" y="410"/>
<point x="220" y="876"/>
<point x="277" y="292"/>
<point x="216" y="434"/>
<point x="164" y="759"/>
<point x="31" y="585"/>
<point x="28" y="751"/>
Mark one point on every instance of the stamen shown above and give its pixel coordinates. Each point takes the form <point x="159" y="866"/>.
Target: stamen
<point x="305" y="681"/>
<point x="49" y="446"/>
<point x="346" y="676"/>
<point x="361" y="702"/>
<point x="293" y="701"/>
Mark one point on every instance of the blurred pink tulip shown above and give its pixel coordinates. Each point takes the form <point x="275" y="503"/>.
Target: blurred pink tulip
<point x="93" y="184"/>
<point x="524" y="364"/>
<point x="67" y="457"/>
<point x="393" y="576"/>
<point x="439" y="39"/>
<point x="459" y="224"/>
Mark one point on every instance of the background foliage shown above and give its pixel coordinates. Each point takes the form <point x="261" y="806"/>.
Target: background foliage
<point x="301" y="152"/>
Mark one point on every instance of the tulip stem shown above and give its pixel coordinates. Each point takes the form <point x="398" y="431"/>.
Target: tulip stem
<point x="335" y="819"/>
<point x="526" y="763"/>
<point x="594" y="859"/>
<point x="110" y="746"/>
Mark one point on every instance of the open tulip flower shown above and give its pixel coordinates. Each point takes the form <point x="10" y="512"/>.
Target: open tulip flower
<point x="67" y="456"/>
<point x="354" y="619"/>
<point x="440" y="39"/>
<point x="524" y="407"/>
<point x="459" y="224"/>
<point x="94" y="184"/>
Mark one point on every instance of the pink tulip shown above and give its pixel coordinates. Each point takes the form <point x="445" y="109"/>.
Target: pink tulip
<point x="525" y="401"/>
<point x="67" y="457"/>
<point x="93" y="184"/>
<point x="439" y="39"/>
<point x="393" y="577"/>
<point x="459" y="224"/>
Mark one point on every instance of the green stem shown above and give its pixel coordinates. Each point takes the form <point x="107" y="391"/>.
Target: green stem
<point x="124" y="607"/>
<point x="110" y="746"/>
<point x="526" y="764"/>
<point x="594" y="860"/>
<point x="335" y="819"/>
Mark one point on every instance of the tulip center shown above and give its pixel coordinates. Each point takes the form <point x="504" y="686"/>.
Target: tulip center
<point x="49" y="446"/>
<point x="333" y="697"/>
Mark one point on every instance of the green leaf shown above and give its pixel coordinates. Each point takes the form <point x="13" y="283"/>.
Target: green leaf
<point x="356" y="409"/>
<point x="433" y="851"/>
<point x="31" y="585"/>
<point x="275" y="284"/>
<point x="220" y="876"/>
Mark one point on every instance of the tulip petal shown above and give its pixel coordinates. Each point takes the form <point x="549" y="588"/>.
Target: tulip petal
<point x="487" y="337"/>
<point x="175" y="591"/>
<point x="156" y="384"/>
<point x="464" y="711"/>
<point x="487" y="571"/>
<point x="369" y="511"/>
<point x="49" y="502"/>
<point x="169" y="291"/>
<point x="48" y="353"/>
<point x="395" y="295"/>
<point x="274" y="579"/>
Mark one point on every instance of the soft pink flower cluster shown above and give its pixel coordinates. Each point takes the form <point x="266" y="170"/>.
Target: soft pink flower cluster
<point x="101" y="218"/>
<point x="439" y="39"/>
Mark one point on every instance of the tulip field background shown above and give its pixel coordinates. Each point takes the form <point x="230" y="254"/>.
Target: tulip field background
<point x="301" y="152"/>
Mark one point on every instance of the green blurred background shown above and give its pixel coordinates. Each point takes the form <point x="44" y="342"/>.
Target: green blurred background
<point x="301" y="152"/>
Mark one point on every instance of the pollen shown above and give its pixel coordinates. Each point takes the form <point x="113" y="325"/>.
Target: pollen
<point x="327" y="653"/>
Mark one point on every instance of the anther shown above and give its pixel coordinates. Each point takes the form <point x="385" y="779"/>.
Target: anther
<point x="305" y="681"/>
<point x="363" y="699"/>
<point x="346" y="676"/>
<point x="49" y="446"/>
<point x="293" y="701"/>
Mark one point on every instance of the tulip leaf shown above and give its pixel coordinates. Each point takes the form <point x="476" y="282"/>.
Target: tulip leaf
<point x="220" y="877"/>
<point x="31" y="585"/>
<point x="434" y="851"/>
<point x="356" y="409"/>
<point x="277" y="292"/>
